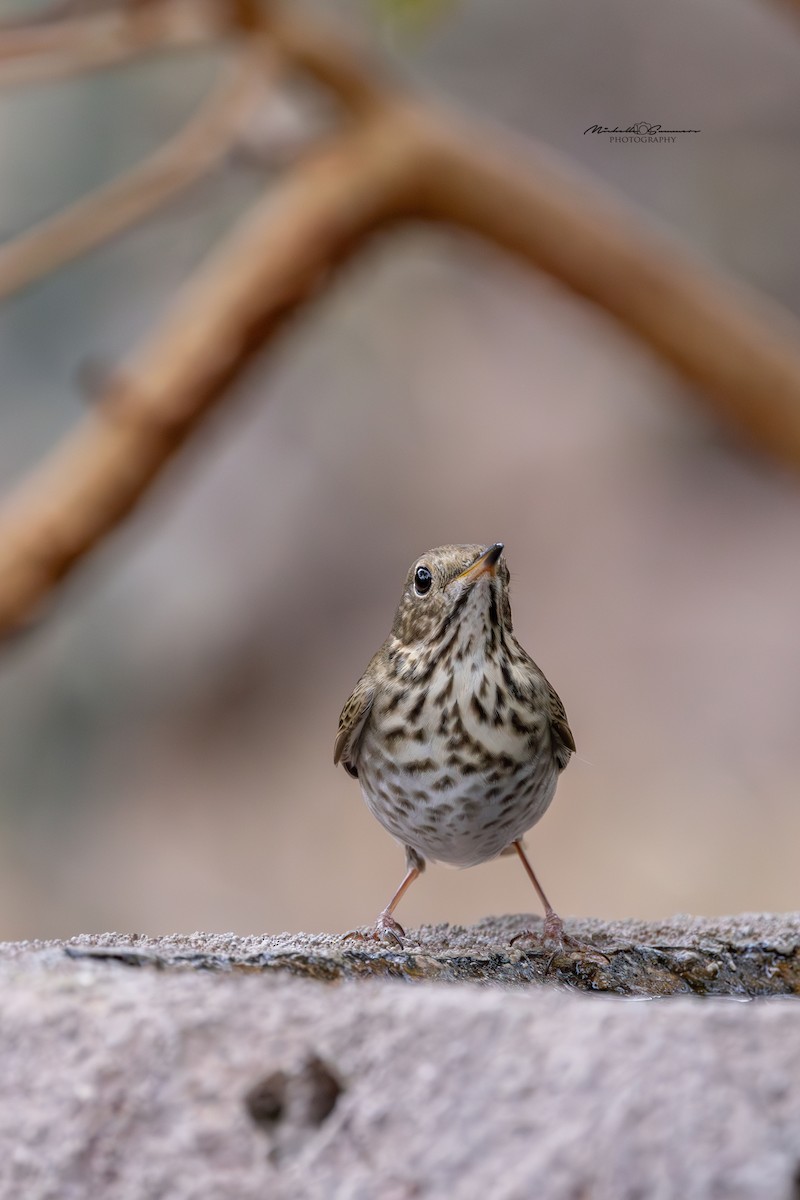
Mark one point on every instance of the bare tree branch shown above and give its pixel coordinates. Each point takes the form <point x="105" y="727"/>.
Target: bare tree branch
<point x="316" y="48"/>
<point x="107" y="211"/>
<point x="393" y="159"/>
<point x="742" y="349"/>
<point x="54" y="49"/>
<point x="273" y="263"/>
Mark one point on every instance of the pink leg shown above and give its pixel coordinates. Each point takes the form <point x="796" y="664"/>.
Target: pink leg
<point x="386" y="928"/>
<point x="553" y="925"/>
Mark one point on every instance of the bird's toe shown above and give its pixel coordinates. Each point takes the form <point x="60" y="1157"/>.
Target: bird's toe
<point x="385" y="929"/>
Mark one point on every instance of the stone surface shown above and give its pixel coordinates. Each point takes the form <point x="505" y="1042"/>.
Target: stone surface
<point x="248" y="1081"/>
<point x="746" y="956"/>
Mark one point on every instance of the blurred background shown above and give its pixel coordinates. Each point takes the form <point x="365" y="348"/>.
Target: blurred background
<point x="166" y="735"/>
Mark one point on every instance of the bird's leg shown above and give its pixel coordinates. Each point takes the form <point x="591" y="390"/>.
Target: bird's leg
<point x="386" y="924"/>
<point x="386" y="928"/>
<point x="553" y="933"/>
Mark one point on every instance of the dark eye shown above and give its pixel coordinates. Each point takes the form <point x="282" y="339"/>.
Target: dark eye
<point x="422" y="580"/>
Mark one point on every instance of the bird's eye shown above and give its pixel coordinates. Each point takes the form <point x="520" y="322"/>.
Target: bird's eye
<point x="422" y="581"/>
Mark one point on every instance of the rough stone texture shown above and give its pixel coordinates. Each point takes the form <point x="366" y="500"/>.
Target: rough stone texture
<point x="746" y="956"/>
<point x="246" y="1081"/>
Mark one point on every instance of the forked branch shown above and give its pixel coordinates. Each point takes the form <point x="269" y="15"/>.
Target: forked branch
<point x="393" y="158"/>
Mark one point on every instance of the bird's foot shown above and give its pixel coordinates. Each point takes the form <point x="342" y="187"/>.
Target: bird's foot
<point x="552" y="937"/>
<point x="553" y="932"/>
<point x="385" y="929"/>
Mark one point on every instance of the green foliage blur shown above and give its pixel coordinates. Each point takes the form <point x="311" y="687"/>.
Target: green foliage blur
<point x="412" y="17"/>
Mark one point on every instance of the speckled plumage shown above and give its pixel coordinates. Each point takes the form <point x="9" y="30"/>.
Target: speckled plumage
<point x="454" y="733"/>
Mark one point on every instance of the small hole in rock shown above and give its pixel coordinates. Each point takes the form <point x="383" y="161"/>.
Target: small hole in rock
<point x="323" y="1088"/>
<point x="266" y="1100"/>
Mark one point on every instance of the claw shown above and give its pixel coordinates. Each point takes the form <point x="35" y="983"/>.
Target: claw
<point x="385" y="929"/>
<point x="553" y="938"/>
<point x="528" y="935"/>
<point x="553" y="932"/>
<point x="552" y="935"/>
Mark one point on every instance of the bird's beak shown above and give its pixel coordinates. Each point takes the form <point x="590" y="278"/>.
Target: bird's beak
<point x="484" y="564"/>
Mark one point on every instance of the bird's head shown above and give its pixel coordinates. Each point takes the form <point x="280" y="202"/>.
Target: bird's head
<point x="464" y="584"/>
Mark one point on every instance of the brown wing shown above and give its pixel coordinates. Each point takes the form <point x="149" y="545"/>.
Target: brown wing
<point x="560" y="732"/>
<point x="351" y="724"/>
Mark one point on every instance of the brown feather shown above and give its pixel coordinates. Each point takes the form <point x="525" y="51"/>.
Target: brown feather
<point x="352" y="721"/>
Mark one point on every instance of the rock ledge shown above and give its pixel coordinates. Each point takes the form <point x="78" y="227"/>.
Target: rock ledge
<point x="221" y="1067"/>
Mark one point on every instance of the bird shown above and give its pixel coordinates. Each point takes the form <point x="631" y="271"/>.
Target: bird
<point x="456" y="737"/>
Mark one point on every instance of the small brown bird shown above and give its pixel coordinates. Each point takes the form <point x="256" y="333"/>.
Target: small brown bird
<point x="453" y="732"/>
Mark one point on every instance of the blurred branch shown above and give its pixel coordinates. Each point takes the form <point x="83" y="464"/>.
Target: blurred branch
<point x="394" y="158"/>
<point x="741" y="348"/>
<point x="133" y="196"/>
<point x="59" y="47"/>
<point x="275" y="261"/>
<point x="316" y="48"/>
<point x="788" y="6"/>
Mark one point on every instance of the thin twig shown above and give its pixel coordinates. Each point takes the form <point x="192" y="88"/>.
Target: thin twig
<point x="343" y="67"/>
<point x="272" y="264"/>
<point x="52" y="49"/>
<point x="56" y="49"/>
<point x="133" y="196"/>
